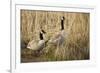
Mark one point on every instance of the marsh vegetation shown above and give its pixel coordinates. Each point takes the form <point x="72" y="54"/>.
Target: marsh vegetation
<point x="75" y="46"/>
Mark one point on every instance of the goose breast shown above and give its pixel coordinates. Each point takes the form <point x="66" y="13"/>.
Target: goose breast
<point x="58" y="38"/>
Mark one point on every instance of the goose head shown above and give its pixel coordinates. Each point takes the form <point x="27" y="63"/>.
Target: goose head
<point x="63" y="18"/>
<point x="41" y="34"/>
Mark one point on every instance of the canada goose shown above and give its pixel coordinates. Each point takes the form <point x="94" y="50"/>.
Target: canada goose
<point x="39" y="45"/>
<point x="59" y="37"/>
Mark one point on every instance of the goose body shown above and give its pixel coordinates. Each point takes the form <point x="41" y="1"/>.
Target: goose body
<point x="37" y="45"/>
<point x="59" y="37"/>
<point x="33" y="45"/>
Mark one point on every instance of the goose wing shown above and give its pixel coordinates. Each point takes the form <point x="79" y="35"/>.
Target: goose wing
<point x="56" y="38"/>
<point x="36" y="45"/>
<point x="32" y="45"/>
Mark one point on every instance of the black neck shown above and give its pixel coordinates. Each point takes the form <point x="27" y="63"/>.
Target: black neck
<point x="62" y="24"/>
<point x="41" y="36"/>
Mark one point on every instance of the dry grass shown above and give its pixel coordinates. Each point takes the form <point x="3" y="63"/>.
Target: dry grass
<point x="76" y="45"/>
